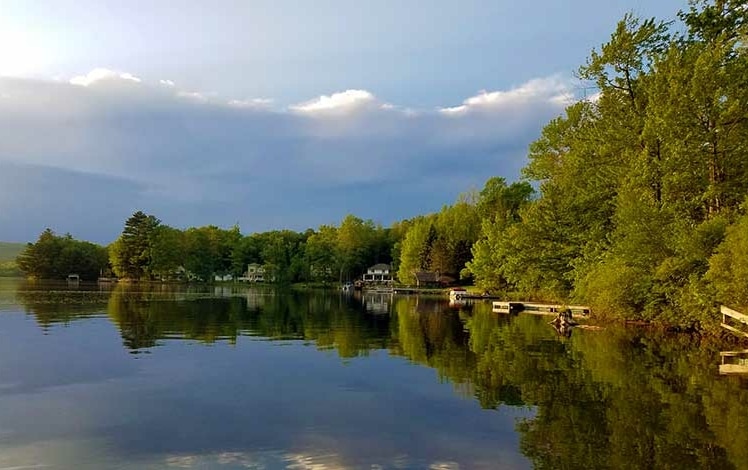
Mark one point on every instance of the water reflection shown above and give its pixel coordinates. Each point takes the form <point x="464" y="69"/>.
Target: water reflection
<point x="618" y="398"/>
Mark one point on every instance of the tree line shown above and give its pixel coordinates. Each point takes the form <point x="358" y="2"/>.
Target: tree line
<point x="642" y="202"/>
<point x="633" y="201"/>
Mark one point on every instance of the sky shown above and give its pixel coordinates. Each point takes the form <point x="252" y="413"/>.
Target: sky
<point x="275" y="114"/>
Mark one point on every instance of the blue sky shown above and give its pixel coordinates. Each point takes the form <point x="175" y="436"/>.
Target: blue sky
<point x="276" y="114"/>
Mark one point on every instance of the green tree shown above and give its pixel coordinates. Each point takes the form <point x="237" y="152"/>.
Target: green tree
<point x="167" y="251"/>
<point x="131" y="255"/>
<point x="728" y="268"/>
<point x="54" y="257"/>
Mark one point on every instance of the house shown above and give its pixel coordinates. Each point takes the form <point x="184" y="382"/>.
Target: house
<point x="223" y="277"/>
<point x="255" y="272"/>
<point x="379" y="273"/>
<point x="427" y="278"/>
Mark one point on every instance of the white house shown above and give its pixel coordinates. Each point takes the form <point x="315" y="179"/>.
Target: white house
<point x="255" y="272"/>
<point x="378" y="273"/>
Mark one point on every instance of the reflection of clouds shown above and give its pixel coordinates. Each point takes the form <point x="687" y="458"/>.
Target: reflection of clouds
<point x="313" y="462"/>
<point x="294" y="461"/>
<point x="259" y="460"/>
<point x="184" y="461"/>
<point x="444" y="466"/>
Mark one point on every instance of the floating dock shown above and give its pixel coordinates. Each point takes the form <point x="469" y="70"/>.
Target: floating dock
<point x="539" y="309"/>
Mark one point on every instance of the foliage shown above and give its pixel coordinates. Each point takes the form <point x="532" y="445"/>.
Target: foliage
<point x="131" y="254"/>
<point x="55" y="257"/>
<point x="638" y="187"/>
<point x="439" y="242"/>
<point x="728" y="268"/>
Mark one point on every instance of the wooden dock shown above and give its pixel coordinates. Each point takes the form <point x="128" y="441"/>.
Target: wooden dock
<point x="729" y="317"/>
<point x="538" y="309"/>
<point x="734" y="362"/>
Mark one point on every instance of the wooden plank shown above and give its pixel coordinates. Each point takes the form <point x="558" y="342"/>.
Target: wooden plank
<point x="503" y="306"/>
<point x="734" y="330"/>
<point x="733" y="353"/>
<point x="506" y="307"/>
<point x="733" y="369"/>
<point x="734" y="314"/>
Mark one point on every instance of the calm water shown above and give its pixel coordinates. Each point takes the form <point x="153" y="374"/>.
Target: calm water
<point x="231" y="379"/>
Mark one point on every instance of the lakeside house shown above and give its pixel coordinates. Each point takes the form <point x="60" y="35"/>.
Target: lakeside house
<point x="255" y="273"/>
<point x="379" y="273"/>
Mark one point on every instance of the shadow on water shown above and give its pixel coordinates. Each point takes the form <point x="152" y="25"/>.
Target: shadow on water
<point x="618" y="398"/>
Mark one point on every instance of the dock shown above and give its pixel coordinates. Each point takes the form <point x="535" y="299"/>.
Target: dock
<point x="734" y="362"/>
<point x="729" y="319"/>
<point x="538" y="309"/>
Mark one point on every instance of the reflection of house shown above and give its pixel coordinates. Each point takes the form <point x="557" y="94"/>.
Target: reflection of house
<point x="378" y="273"/>
<point x="377" y="303"/>
<point x="734" y="362"/>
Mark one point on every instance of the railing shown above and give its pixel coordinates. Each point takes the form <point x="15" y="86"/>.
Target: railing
<point x="728" y="315"/>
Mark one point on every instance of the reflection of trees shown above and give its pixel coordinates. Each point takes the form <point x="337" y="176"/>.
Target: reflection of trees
<point x="143" y="320"/>
<point x="613" y="399"/>
<point x="328" y="319"/>
<point x="55" y="303"/>
<point x="426" y="333"/>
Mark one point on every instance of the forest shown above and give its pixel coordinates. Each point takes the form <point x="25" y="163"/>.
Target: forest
<point x="634" y="201"/>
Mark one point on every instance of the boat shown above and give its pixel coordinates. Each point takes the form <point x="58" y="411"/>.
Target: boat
<point x="458" y="293"/>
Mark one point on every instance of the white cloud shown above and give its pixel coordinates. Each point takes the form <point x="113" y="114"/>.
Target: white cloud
<point x="103" y="75"/>
<point x="343" y="102"/>
<point x="255" y="103"/>
<point x="193" y="95"/>
<point x="551" y="90"/>
<point x="168" y="83"/>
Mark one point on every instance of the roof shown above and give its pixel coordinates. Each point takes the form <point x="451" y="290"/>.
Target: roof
<point x="381" y="266"/>
<point x="447" y="279"/>
<point x="426" y="276"/>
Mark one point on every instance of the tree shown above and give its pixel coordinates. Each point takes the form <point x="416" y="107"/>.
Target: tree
<point x="413" y="249"/>
<point x="322" y="254"/>
<point x="355" y="245"/>
<point x="54" y="257"/>
<point x="728" y="268"/>
<point x="131" y="255"/>
<point x="167" y="251"/>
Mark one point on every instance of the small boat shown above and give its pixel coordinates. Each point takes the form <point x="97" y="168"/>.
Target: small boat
<point x="458" y="293"/>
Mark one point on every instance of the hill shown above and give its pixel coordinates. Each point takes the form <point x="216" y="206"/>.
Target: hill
<point x="9" y="250"/>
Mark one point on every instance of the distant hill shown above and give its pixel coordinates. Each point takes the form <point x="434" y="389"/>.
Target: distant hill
<point x="9" y="251"/>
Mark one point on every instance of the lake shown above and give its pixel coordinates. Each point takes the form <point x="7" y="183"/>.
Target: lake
<point x="233" y="378"/>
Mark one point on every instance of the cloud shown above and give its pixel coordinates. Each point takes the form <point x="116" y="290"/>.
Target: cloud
<point x="264" y="103"/>
<point x="103" y="75"/>
<point x="195" y="158"/>
<point x="343" y="102"/>
<point x="551" y="90"/>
